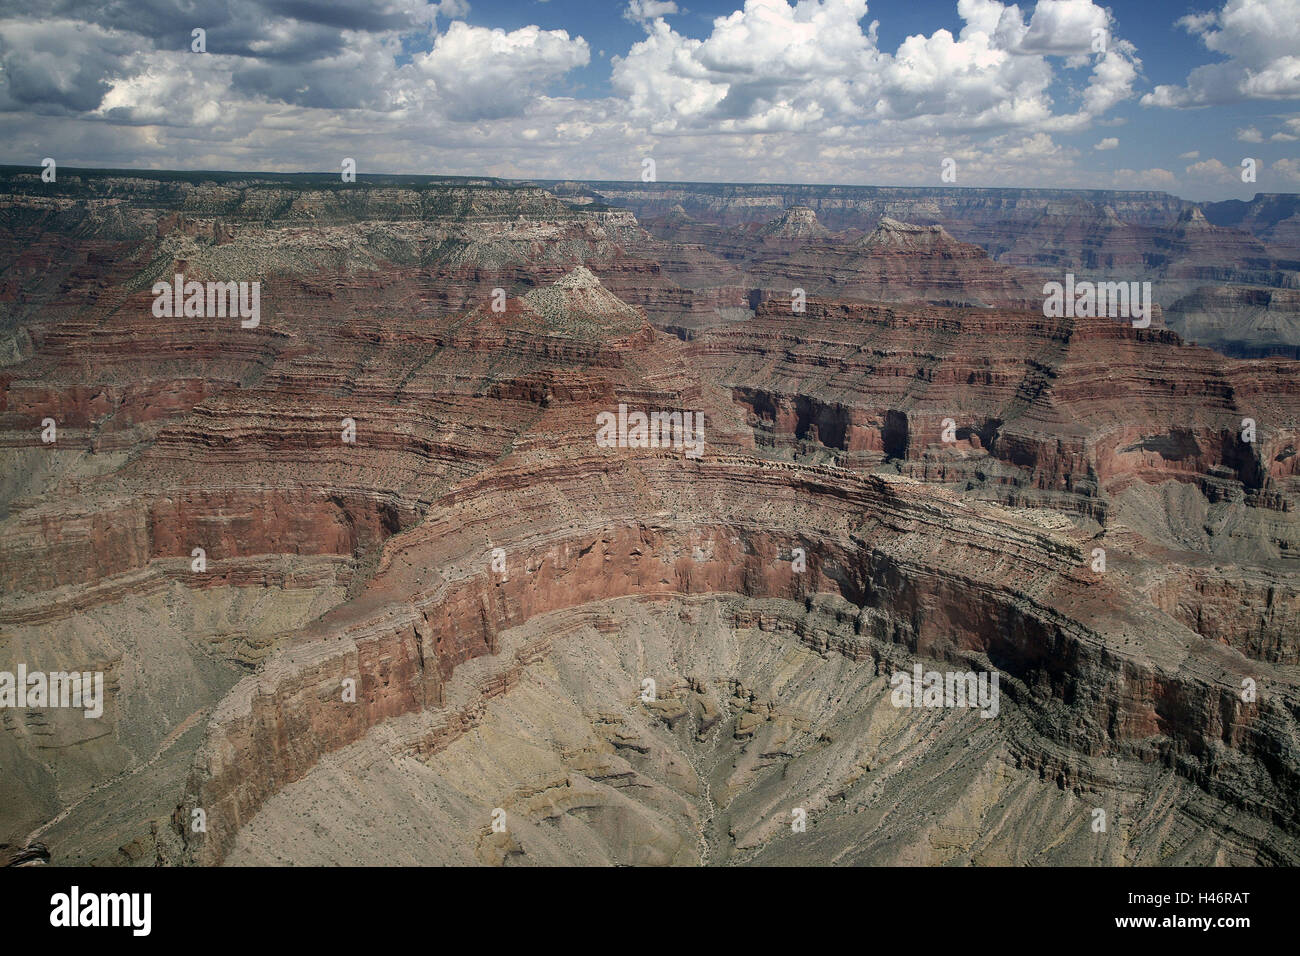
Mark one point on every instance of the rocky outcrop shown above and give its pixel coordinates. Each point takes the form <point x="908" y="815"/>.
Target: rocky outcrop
<point x="892" y="236"/>
<point x="797" y="222"/>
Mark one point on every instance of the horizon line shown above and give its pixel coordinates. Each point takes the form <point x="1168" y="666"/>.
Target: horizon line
<point x="142" y="173"/>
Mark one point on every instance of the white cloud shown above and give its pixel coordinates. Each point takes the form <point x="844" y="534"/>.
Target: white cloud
<point x="489" y="74"/>
<point x="643" y="11"/>
<point x="775" y="65"/>
<point x="1250" y="135"/>
<point x="172" y="89"/>
<point x="1260" y="38"/>
<point x="451" y="9"/>
<point x="1213" y="171"/>
<point x="1112" y="78"/>
<point x="1289" y="133"/>
<point x="1065" y="26"/>
<point x="1110" y="142"/>
<point x="58" y="65"/>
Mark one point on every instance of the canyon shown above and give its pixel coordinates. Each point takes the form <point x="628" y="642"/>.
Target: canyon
<point x="365" y="588"/>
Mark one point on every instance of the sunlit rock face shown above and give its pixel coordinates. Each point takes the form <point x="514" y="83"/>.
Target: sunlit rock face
<point x="367" y="584"/>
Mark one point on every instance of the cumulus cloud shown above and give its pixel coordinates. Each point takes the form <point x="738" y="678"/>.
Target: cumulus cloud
<point x="330" y="81"/>
<point x="774" y="65"/>
<point x="1288" y="133"/>
<point x="1110" y="142"/>
<point x="1261" y="40"/>
<point x="489" y="74"/>
<point x="452" y="8"/>
<point x="643" y="11"/>
<point x="1065" y="26"/>
<point x="58" y="66"/>
<point x="135" y="66"/>
<point x="969" y="79"/>
<point x="291" y="31"/>
<point x="768" y="66"/>
<point x="172" y="89"/>
<point x="1213" y="171"/>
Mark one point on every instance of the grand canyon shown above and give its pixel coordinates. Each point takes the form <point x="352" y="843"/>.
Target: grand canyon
<point x="366" y="586"/>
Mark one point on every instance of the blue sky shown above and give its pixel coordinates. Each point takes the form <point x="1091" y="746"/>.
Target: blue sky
<point x="1175" y="96"/>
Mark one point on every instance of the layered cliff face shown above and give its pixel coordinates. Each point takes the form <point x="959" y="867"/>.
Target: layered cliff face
<point x="797" y="222"/>
<point x="1036" y="236"/>
<point x="1241" y="321"/>
<point x="441" y="556"/>
<point x="901" y="572"/>
<point x="1091" y="240"/>
<point x="895" y="262"/>
<point x="750" y="728"/>
<point x="858" y="207"/>
<point x="1273" y="217"/>
<point x="1076" y="407"/>
<point x="206" y="486"/>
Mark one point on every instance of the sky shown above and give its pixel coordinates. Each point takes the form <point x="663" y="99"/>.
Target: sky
<point x="1140" y="94"/>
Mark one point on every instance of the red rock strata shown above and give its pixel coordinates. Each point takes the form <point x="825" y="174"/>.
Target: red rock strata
<point x="944" y="579"/>
<point x="1073" y="407"/>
